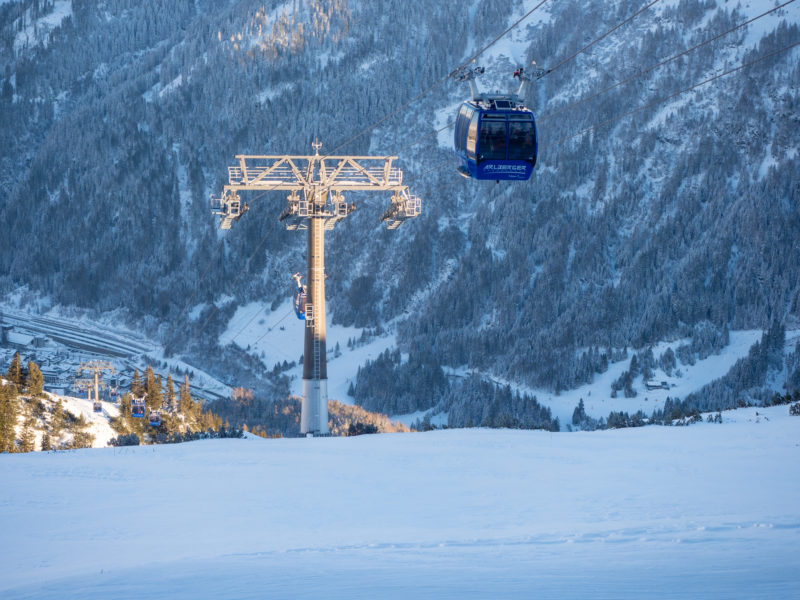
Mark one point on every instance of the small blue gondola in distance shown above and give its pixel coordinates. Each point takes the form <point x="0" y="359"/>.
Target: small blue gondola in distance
<point x="300" y="296"/>
<point x="137" y="408"/>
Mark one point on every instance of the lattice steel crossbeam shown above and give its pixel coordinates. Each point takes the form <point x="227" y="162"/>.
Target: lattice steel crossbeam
<point x="334" y="173"/>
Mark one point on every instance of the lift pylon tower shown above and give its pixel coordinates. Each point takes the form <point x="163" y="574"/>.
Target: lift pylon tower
<point x="316" y="186"/>
<point x="95" y="368"/>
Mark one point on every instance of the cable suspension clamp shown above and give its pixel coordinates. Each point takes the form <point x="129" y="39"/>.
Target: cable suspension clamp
<point x="469" y="75"/>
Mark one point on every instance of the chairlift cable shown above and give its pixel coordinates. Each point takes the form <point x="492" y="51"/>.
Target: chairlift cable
<point x="269" y="329"/>
<point x="214" y="254"/>
<point x="233" y="284"/>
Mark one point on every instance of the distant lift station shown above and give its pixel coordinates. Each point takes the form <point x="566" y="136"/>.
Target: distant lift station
<point x="495" y="135"/>
<point x="316" y="186"/>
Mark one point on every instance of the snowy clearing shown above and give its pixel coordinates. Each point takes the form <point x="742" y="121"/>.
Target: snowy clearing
<point x="277" y="336"/>
<point x="656" y="512"/>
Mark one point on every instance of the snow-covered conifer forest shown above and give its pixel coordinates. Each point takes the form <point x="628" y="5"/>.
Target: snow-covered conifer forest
<point x="119" y="120"/>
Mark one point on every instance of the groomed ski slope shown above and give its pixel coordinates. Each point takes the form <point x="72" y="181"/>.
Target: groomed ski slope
<point x="706" y="511"/>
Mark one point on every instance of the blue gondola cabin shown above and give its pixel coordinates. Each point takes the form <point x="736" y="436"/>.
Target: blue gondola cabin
<point x="495" y="138"/>
<point x="300" y="297"/>
<point x="137" y="409"/>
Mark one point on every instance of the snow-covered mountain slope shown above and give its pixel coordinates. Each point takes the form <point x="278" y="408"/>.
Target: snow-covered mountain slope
<point x="99" y="426"/>
<point x="655" y="204"/>
<point x="703" y="511"/>
<point x="597" y="395"/>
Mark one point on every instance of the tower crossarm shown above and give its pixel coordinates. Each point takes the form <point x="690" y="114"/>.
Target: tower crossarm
<point x="353" y="173"/>
<point x="83" y="384"/>
<point x="95" y="366"/>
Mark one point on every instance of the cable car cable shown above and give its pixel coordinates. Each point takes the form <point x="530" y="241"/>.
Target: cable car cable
<point x="269" y="330"/>
<point x="649" y="105"/>
<point x="590" y="44"/>
<point x="257" y="313"/>
<point x="498" y="38"/>
<point x="660" y="64"/>
<point x="373" y="126"/>
<point x="236" y="279"/>
<point x="426" y="136"/>
<point x="606" y="34"/>
<point x="439" y="82"/>
<point x="633" y="77"/>
<point x="550" y="70"/>
<point x="683" y="91"/>
<point x="214" y="254"/>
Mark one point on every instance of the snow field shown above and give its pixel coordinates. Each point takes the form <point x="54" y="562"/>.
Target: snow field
<point x="278" y="335"/>
<point x="99" y="425"/>
<point x="700" y="511"/>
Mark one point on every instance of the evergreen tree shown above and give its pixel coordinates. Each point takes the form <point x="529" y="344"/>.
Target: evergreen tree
<point x="47" y="444"/>
<point x="28" y="438"/>
<point x="185" y="403"/>
<point x="8" y="418"/>
<point x="137" y="389"/>
<point x="172" y="402"/>
<point x="34" y="380"/>
<point x="57" y="419"/>
<point x="14" y="373"/>
<point x="125" y="406"/>
<point x="579" y="414"/>
<point x="152" y="390"/>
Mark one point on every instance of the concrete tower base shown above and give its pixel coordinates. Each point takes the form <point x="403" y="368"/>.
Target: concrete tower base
<point x="314" y="413"/>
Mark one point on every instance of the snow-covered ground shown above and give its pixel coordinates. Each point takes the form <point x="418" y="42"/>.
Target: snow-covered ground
<point x="277" y="336"/>
<point x="597" y="395"/>
<point x="99" y="425"/>
<point x="36" y="31"/>
<point x="707" y="511"/>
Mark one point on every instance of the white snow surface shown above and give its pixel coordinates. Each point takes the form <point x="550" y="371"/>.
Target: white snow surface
<point x="277" y="336"/>
<point x="706" y="511"/>
<point x="99" y="425"/>
<point x="597" y="394"/>
<point x="35" y="32"/>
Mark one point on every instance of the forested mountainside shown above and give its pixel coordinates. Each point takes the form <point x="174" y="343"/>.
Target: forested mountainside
<point x="119" y="118"/>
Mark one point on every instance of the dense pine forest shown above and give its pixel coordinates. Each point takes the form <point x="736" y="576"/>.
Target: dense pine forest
<point x="657" y="210"/>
